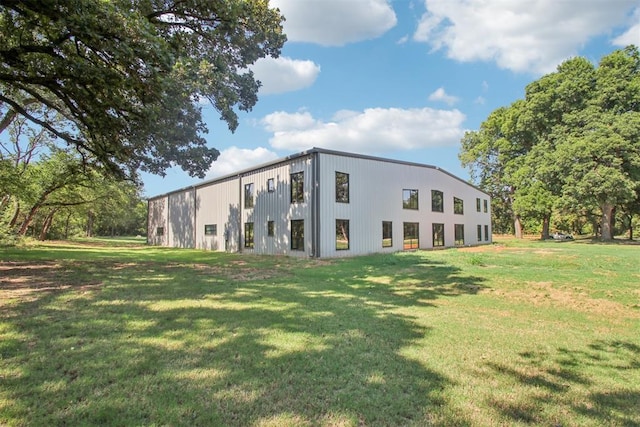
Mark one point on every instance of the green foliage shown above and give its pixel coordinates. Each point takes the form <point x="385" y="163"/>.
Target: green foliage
<point x="128" y="77"/>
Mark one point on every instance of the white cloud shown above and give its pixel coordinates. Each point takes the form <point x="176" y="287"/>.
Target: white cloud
<point x="279" y="75"/>
<point x="234" y="159"/>
<point x="373" y="130"/>
<point x="335" y="22"/>
<point x="441" y="95"/>
<point x="518" y="35"/>
<point x="479" y="100"/>
<point x="632" y="35"/>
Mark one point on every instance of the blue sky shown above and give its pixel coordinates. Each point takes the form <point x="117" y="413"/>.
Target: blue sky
<point x="403" y="79"/>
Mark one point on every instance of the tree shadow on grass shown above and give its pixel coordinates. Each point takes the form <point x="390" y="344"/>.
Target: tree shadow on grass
<point x="223" y="346"/>
<point x="563" y="381"/>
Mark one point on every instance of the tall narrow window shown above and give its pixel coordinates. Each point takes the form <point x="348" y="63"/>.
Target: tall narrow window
<point x="342" y="234"/>
<point x="458" y="206"/>
<point x="486" y="206"/>
<point x="271" y="185"/>
<point x="271" y="228"/>
<point x="437" y="201"/>
<point x="438" y="235"/>
<point x="479" y="233"/>
<point x="387" y="234"/>
<point x="478" y="204"/>
<point x="297" y="235"/>
<point x="342" y="187"/>
<point x="410" y="199"/>
<point x="297" y="187"/>
<point x="248" y="235"/>
<point x="411" y="233"/>
<point x="458" y="232"/>
<point x="210" y="229"/>
<point x="248" y="195"/>
<point x="486" y="233"/>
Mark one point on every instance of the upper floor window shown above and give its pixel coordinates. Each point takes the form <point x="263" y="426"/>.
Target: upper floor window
<point x="410" y="199"/>
<point x="458" y="206"/>
<point x="478" y="204"/>
<point x="248" y="195"/>
<point x="297" y="187"/>
<point x="486" y="206"/>
<point x="437" y="201"/>
<point x="342" y="187"/>
<point x="271" y="185"/>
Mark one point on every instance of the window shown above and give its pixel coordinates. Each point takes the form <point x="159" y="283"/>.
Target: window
<point x="160" y="231"/>
<point x="458" y="232"/>
<point x="342" y="187"/>
<point x="271" y="185"/>
<point x="486" y="206"/>
<point x="437" y="201"/>
<point x="411" y="240"/>
<point x="210" y="230"/>
<point x="248" y="195"/>
<point x="297" y="235"/>
<point x="342" y="234"/>
<point x="438" y="235"/>
<point x="297" y="187"/>
<point x="478" y="204"/>
<point x="486" y="233"/>
<point x="387" y="234"/>
<point x="479" y="232"/>
<point x="458" y="206"/>
<point x="410" y="199"/>
<point x="271" y="228"/>
<point x="248" y="235"/>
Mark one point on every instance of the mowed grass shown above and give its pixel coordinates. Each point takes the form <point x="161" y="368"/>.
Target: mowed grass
<point x="516" y="333"/>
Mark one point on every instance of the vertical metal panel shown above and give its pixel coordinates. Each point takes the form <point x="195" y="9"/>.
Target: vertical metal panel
<point x="218" y="204"/>
<point x="157" y="217"/>
<point x="181" y="214"/>
<point x="375" y="195"/>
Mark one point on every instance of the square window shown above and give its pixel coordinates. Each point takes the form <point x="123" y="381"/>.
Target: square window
<point x="297" y="235"/>
<point x="342" y="187"/>
<point x="437" y="201"/>
<point x="438" y="235"/>
<point x="248" y="235"/>
<point x="387" y="234"/>
<point x="160" y="231"/>
<point x="271" y="228"/>
<point x="458" y="232"/>
<point x="297" y="187"/>
<point x="458" y="206"/>
<point x="248" y="195"/>
<point x="211" y="230"/>
<point x="271" y="185"/>
<point x="411" y="235"/>
<point x="342" y="234"/>
<point x="410" y="199"/>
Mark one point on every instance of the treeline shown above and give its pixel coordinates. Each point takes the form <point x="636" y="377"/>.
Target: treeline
<point x="48" y="192"/>
<point x="567" y="156"/>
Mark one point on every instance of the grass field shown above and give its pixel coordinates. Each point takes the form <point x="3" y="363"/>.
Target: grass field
<point x="516" y="333"/>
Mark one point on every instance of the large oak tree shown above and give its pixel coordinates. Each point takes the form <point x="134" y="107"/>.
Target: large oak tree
<point x="128" y="77"/>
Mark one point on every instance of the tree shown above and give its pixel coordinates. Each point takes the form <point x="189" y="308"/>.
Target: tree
<point x="128" y="76"/>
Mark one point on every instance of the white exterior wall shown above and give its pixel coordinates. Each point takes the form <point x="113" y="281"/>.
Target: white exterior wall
<point x="157" y="209"/>
<point x="375" y="195"/>
<point x="218" y="204"/>
<point x="276" y="206"/>
<point x="181" y="219"/>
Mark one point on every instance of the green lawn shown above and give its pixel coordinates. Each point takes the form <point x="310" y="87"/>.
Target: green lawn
<point x="516" y="333"/>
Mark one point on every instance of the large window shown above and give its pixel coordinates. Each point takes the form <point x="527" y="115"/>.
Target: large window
<point x="271" y="228"/>
<point x="479" y="233"/>
<point x="342" y="187"/>
<point x="248" y="195"/>
<point x="210" y="229"/>
<point x="438" y="235"/>
<point x="248" y="235"/>
<point x="387" y="234"/>
<point x="297" y="235"/>
<point x="458" y="231"/>
<point x="486" y="233"/>
<point x="411" y="233"/>
<point x="410" y="199"/>
<point x="478" y="204"/>
<point x="437" y="201"/>
<point x="297" y="187"/>
<point x="342" y="234"/>
<point x="458" y="206"/>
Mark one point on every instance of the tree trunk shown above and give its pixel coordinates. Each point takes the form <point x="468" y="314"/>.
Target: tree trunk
<point x="66" y="226"/>
<point x="517" y="226"/>
<point x="606" y="229"/>
<point x="89" y="224"/>
<point x="46" y="225"/>
<point x="27" y="221"/>
<point x="545" y="227"/>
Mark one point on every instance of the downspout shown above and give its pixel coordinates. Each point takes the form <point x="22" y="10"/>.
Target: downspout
<point x="315" y="206"/>
<point x="195" y="223"/>
<point x="240" y="213"/>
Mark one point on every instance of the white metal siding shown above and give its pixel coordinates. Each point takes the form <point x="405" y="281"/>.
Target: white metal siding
<point x="375" y="195"/>
<point x="181" y="219"/>
<point x="156" y="218"/>
<point x="218" y="204"/>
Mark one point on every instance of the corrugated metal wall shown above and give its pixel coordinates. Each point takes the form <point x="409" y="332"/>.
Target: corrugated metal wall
<point x="181" y="220"/>
<point x="156" y="220"/>
<point x="218" y="204"/>
<point x="375" y="195"/>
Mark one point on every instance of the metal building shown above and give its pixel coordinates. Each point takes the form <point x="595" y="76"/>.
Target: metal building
<point x="323" y="203"/>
